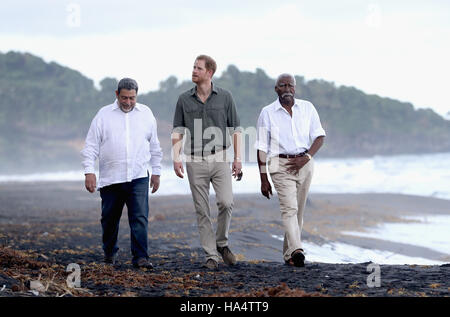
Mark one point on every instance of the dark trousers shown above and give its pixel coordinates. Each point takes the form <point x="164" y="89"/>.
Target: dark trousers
<point x="135" y="195"/>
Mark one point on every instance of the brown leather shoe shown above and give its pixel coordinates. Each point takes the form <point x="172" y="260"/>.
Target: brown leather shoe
<point x="211" y="264"/>
<point x="227" y="256"/>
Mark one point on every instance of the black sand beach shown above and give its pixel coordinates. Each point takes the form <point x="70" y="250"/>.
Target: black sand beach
<point x="46" y="226"/>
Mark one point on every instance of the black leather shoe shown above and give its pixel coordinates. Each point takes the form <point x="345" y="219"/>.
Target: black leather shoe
<point x="143" y="263"/>
<point x="110" y="259"/>
<point x="298" y="258"/>
<point x="289" y="262"/>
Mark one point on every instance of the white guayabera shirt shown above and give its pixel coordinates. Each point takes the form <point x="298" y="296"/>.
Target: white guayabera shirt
<point x="279" y="133"/>
<point x="126" y="145"/>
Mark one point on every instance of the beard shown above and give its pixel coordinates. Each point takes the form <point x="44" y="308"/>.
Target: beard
<point x="286" y="98"/>
<point x="126" y="108"/>
<point x="287" y="95"/>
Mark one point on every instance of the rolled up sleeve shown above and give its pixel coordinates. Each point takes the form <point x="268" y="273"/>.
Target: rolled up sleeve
<point x="262" y="133"/>
<point x="233" y="122"/>
<point x="179" y="125"/>
<point x="315" y="129"/>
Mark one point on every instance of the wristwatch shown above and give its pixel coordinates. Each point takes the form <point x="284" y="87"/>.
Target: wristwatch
<point x="308" y="155"/>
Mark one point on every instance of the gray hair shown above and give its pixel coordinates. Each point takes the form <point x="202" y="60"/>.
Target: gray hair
<point x="127" y="83"/>
<point x="285" y="75"/>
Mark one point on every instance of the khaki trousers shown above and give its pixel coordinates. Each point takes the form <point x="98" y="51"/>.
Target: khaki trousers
<point x="201" y="172"/>
<point x="292" y="193"/>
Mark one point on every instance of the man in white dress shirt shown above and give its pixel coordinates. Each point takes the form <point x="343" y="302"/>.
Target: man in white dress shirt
<point x="289" y="133"/>
<point x="123" y="137"/>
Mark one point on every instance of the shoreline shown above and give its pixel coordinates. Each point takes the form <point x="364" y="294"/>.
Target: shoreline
<point x="44" y="226"/>
<point x="255" y="219"/>
<point x="379" y="174"/>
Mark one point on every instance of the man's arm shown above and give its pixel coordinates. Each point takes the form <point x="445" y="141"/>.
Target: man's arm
<point x="90" y="154"/>
<point x="237" y="162"/>
<point x="90" y="182"/>
<point x="262" y="147"/>
<point x="177" y="139"/>
<point x="155" y="158"/>
<point x="316" y="133"/>
<point x="295" y="164"/>
<point x="266" y="188"/>
<point x="233" y="122"/>
<point x="317" y="144"/>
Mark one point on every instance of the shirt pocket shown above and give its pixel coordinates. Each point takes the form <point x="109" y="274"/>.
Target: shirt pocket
<point x="217" y="115"/>
<point x="189" y="108"/>
<point x="216" y="107"/>
<point x="192" y="112"/>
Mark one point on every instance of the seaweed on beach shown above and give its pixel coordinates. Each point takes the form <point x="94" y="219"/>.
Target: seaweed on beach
<point x="30" y="274"/>
<point x="42" y="235"/>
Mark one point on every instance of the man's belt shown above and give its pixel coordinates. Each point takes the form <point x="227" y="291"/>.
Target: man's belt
<point x="213" y="151"/>
<point x="292" y="155"/>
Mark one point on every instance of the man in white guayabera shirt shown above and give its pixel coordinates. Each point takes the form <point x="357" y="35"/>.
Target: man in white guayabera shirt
<point x="123" y="136"/>
<point x="289" y="133"/>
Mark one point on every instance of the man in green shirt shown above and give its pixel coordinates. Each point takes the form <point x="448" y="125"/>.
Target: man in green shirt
<point x="207" y="115"/>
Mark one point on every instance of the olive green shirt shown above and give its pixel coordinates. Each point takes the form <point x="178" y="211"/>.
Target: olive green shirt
<point x="208" y="126"/>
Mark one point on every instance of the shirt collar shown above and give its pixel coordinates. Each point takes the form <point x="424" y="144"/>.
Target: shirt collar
<point x="213" y="89"/>
<point x="137" y="106"/>
<point x="278" y="105"/>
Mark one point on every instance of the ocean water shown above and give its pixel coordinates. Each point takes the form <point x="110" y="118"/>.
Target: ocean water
<point x="423" y="175"/>
<point x="432" y="232"/>
<point x="347" y="253"/>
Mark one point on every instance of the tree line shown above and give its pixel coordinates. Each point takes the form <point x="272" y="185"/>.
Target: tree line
<point x="46" y="109"/>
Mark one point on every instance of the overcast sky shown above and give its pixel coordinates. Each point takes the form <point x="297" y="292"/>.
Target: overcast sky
<point x="397" y="49"/>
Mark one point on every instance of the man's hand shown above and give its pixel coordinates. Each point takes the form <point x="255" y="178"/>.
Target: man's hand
<point x="154" y="183"/>
<point x="178" y="168"/>
<point x="266" y="188"/>
<point x="90" y="182"/>
<point x="236" y="168"/>
<point x="295" y="164"/>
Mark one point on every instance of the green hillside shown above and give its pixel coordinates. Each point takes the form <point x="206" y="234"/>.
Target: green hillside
<point x="46" y="109"/>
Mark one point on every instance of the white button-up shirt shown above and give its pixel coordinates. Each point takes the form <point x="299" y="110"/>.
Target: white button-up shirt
<point x="279" y="133"/>
<point x="126" y="145"/>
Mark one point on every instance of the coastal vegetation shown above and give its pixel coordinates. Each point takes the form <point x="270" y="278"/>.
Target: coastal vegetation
<point x="46" y="110"/>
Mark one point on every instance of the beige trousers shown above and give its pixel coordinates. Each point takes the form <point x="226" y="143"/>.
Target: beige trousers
<point x="201" y="172"/>
<point x="292" y="193"/>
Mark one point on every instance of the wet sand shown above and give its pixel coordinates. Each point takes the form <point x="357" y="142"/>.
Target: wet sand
<point x="46" y="226"/>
